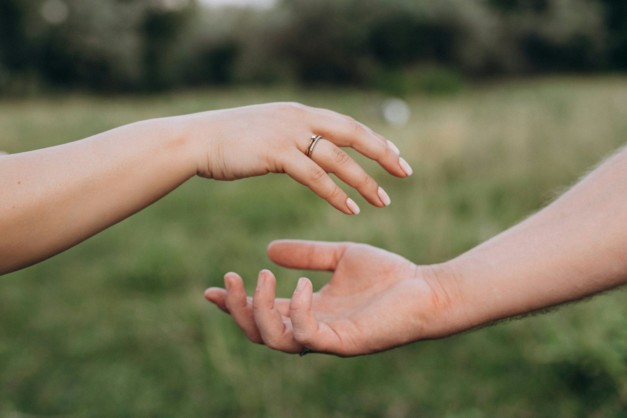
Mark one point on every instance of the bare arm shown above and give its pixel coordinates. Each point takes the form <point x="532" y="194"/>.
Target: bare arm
<point x="54" y="198"/>
<point x="375" y="300"/>
<point x="573" y="248"/>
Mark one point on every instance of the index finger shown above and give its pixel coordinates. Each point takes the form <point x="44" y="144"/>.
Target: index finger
<point x="345" y="131"/>
<point x="308" y="255"/>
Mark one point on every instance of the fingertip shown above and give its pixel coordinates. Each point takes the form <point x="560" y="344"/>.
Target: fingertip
<point x="385" y="198"/>
<point x="303" y="285"/>
<point x="352" y="206"/>
<point x="265" y="277"/>
<point x="302" y="294"/>
<point x="271" y="247"/>
<point x="217" y="296"/>
<point x="266" y="273"/>
<point x="406" y="167"/>
<point x="209" y="293"/>
<point x="231" y="279"/>
<point x="393" y="147"/>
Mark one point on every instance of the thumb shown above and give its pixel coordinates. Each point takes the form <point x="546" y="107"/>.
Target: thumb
<point x="308" y="255"/>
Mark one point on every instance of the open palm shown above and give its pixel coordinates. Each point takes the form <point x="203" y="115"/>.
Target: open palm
<point x="375" y="300"/>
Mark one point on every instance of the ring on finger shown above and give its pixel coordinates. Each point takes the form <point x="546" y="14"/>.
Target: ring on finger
<point x="314" y="141"/>
<point x="306" y="350"/>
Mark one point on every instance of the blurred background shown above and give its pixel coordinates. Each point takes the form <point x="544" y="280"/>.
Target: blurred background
<point x="499" y="105"/>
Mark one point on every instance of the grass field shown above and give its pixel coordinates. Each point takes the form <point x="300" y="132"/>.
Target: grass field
<point x="117" y="326"/>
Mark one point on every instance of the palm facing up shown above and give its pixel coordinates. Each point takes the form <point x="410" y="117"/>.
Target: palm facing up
<point x="375" y="300"/>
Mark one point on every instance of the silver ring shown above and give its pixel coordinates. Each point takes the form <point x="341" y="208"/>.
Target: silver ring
<point x="306" y="350"/>
<point x="314" y="141"/>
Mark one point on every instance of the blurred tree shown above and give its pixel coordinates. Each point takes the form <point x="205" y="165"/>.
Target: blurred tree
<point x="155" y="44"/>
<point x="324" y="40"/>
<point x="160" y="29"/>
<point x="13" y="40"/>
<point x="16" y="48"/>
<point x="615" y="19"/>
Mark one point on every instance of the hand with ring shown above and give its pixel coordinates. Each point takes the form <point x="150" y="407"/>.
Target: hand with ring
<point x="298" y="140"/>
<point x="85" y="186"/>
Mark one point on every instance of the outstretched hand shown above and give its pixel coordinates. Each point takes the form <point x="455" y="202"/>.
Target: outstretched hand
<point x="276" y="137"/>
<point x="374" y="301"/>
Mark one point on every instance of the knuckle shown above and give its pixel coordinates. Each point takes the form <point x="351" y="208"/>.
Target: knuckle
<point x="292" y="107"/>
<point x="355" y="128"/>
<point x="317" y="174"/>
<point x="340" y="156"/>
<point x="303" y="337"/>
<point x="272" y="342"/>
<point x="295" y="308"/>
<point x="258" y="308"/>
<point x="349" y="120"/>
<point x="366" y="182"/>
<point x="229" y="304"/>
<point x="336" y="193"/>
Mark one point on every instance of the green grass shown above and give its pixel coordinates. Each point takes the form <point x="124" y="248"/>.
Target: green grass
<point x="117" y="326"/>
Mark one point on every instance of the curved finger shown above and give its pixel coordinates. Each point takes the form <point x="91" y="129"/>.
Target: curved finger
<point x="240" y="307"/>
<point x="310" y="174"/>
<point x="345" y="131"/>
<point x="334" y="160"/>
<point x="304" y="324"/>
<point x="273" y="330"/>
<point x="308" y="255"/>
<point x="306" y="329"/>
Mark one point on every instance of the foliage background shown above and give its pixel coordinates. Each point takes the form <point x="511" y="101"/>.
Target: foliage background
<point x="146" y="45"/>
<point x="117" y="326"/>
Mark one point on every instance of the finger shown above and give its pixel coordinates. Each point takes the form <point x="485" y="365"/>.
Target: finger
<point x="334" y="160"/>
<point x="344" y="131"/>
<point x="217" y="296"/>
<point x="306" y="329"/>
<point x="304" y="324"/>
<point x="310" y="174"/>
<point x="273" y="330"/>
<point x="240" y="307"/>
<point x="308" y="255"/>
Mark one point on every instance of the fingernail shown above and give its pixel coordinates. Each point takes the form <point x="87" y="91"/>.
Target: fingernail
<point x="302" y="282"/>
<point x="227" y="282"/>
<point x="385" y="199"/>
<point x="394" y="147"/>
<point x="261" y="279"/>
<point x="406" y="167"/>
<point x="352" y="206"/>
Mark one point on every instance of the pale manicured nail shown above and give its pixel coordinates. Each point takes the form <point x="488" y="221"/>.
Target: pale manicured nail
<point x="406" y="167"/>
<point x="385" y="199"/>
<point x="352" y="206"/>
<point x="394" y="147"/>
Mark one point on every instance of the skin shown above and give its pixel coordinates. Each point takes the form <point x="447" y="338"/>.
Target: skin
<point x="56" y="197"/>
<point x="573" y="248"/>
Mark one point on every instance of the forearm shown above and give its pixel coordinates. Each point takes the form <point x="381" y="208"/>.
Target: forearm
<point x="57" y="197"/>
<point x="575" y="247"/>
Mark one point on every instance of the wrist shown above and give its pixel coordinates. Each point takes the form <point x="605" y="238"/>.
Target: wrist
<point x="180" y="143"/>
<point x="450" y="312"/>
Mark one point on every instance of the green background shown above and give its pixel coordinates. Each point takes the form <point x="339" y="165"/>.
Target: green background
<point x="117" y="326"/>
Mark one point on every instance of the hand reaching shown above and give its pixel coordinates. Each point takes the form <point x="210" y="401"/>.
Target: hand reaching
<point x="374" y="301"/>
<point x="85" y="186"/>
<point x="273" y="138"/>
